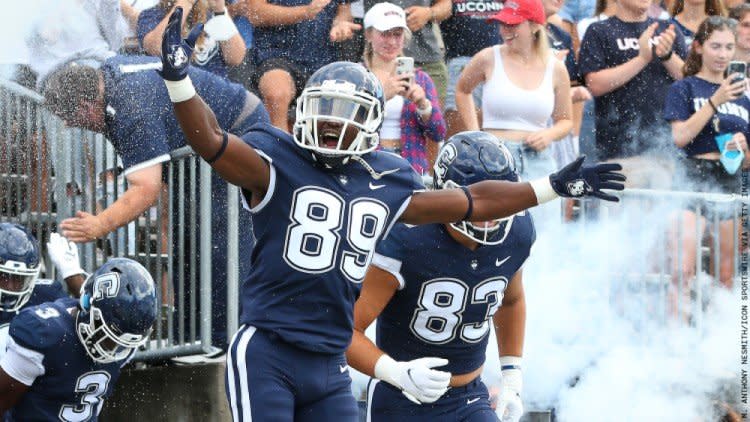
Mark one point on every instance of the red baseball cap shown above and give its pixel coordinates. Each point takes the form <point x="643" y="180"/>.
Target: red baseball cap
<point x="518" y="11"/>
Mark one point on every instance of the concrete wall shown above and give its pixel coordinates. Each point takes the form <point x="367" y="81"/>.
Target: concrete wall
<point x="169" y="393"/>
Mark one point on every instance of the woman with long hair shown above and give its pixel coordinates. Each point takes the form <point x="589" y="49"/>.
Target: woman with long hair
<point x="220" y="45"/>
<point x="688" y="15"/>
<point x="413" y="124"/>
<point x="705" y="108"/>
<point x="524" y="86"/>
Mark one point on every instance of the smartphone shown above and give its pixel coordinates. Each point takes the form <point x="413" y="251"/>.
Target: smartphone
<point x="405" y="65"/>
<point x="737" y="67"/>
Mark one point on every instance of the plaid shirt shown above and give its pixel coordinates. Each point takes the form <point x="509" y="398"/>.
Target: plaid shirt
<point x="414" y="132"/>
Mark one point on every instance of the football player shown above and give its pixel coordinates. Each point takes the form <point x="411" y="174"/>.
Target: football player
<point x="321" y="199"/>
<point x="435" y="290"/>
<point x="20" y="262"/>
<point x="64" y="357"/>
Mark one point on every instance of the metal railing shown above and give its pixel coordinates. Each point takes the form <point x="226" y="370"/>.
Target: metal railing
<point x="49" y="172"/>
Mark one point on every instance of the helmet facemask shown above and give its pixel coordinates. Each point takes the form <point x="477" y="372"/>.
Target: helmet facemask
<point x="103" y="343"/>
<point x="491" y="232"/>
<point x="16" y="284"/>
<point x="337" y="102"/>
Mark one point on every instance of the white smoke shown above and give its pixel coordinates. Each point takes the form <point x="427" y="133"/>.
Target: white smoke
<point x="599" y="343"/>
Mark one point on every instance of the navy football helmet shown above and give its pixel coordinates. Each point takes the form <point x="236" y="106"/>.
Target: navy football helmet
<point x="19" y="266"/>
<point x="471" y="157"/>
<point x="117" y="310"/>
<point x="347" y="95"/>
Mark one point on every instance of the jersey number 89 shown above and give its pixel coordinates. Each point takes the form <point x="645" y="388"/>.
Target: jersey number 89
<point x="312" y="240"/>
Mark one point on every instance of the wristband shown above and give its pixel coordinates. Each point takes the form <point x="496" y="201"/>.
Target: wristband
<point x="220" y="28"/>
<point x="469" y="210"/>
<point x="666" y="56"/>
<point x="425" y="112"/>
<point x="510" y="362"/>
<point x="181" y="90"/>
<point x="543" y="190"/>
<point x="223" y="12"/>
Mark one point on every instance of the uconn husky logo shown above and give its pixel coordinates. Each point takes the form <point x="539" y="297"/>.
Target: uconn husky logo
<point x="577" y="187"/>
<point x="177" y="57"/>
<point x="447" y="156"/>
<point x="106" y="285"/>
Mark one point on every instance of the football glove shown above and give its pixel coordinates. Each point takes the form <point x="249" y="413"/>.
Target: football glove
<point x="576" y="180"/>
<point x="509" y="404"/>
<point x="64" y="255"/>
<point x="175" y="51"/>
<point x="416" y="379"/>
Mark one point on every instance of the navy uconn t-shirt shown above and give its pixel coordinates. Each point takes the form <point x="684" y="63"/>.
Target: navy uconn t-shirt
<point x="315" y="233"/>
<point x="628" y="119"/>
<point x="448" y="293"/>
<point x="687" y="96"/>
<point x="467" y="30"/>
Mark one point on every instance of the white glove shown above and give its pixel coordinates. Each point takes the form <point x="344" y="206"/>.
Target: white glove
<point x="220" y="28"/>
<point x="416" y="380"/>
<point x="64" y="254"/>
<point x="509" y="404"/>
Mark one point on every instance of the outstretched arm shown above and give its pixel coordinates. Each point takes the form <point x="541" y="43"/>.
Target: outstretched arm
<point x="237" y="162"/>
<point x="493" y="199"/>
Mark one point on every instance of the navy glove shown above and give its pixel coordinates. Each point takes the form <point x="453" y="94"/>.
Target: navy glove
<point x="576" y="180"/>
<point x="176" y="52"/>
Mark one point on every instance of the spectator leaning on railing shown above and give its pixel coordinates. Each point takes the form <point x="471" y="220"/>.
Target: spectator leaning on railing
<point x="628" y="62"/>
<point x="705" y="109"/>
<point x="218" y="48"/>
<point x="126" y="101"/>
<point x="412" y="110"/>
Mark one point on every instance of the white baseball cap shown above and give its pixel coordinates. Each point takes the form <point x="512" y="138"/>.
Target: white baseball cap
<point x="385" y="16"/>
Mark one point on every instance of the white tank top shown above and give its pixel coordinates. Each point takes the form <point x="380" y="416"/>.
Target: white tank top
<point x="506" y="106"/>
<point x="391" y="128"/>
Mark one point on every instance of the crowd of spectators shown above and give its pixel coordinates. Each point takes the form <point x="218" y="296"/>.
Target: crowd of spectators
<point x="629" y="61"/>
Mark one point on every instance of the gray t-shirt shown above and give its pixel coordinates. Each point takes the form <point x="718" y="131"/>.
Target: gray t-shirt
<point x="424" y="45"/>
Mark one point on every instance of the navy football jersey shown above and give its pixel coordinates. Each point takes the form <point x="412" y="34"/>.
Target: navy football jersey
<point x="73" y="386"/>
<point x="140" y="121"/>
<point x="44" y="291"/>
<point x="315" y="233"/>
<point x="448" y="293"/>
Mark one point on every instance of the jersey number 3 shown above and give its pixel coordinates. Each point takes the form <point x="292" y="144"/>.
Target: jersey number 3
<point x="92" y="386"/>
<point x="312" y="240"/>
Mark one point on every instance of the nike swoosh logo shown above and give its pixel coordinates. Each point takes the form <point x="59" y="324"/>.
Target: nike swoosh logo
<point x="375" y="187"/>
<point x="470" y="401"/>
<point x="343" y="368"/>
<point x="498" y="262"/>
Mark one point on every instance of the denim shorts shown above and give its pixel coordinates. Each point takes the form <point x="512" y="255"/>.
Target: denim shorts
<point x="575" y="10"/>
<point x="455" y="67"/>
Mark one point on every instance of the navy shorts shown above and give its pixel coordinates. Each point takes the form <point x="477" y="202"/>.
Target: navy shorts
<point x="470" y="403"/>
<point x="270" y="380"/>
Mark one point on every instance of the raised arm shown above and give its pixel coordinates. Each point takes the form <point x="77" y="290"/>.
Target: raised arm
<point x="237" y="162"/>
<point x="493" y="199"/>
